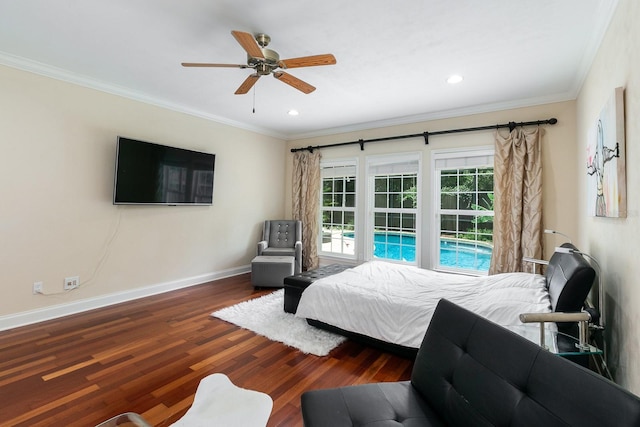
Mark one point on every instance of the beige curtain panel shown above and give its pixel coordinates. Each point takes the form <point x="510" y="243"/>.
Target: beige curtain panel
<point x="518" y="200"/>
<point x="306" y="194"/>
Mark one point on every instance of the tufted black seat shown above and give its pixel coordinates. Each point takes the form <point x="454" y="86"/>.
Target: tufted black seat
<point x="472" y="372"/>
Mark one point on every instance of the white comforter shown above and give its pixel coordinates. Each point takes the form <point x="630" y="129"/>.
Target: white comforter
<point x="394" y="303"/>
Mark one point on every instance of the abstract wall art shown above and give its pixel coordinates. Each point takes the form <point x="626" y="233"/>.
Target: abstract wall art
<point x="606" y="177"/>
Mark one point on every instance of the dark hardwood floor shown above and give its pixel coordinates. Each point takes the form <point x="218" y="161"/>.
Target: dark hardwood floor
<point x="148" y="356"/>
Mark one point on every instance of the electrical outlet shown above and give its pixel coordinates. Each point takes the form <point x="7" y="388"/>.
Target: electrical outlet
<point x="71" y="283"/>
<point x="37" y="287"/>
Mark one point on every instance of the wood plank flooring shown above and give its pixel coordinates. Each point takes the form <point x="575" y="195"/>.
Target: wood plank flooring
<point x="148" y="356"/>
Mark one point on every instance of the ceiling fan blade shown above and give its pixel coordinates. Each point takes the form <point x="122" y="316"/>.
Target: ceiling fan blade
<point x="247" y="84"/>
<point x="308" y="61"/>
<point x="294" y="82"/>
<point x="248" y="43"/>
<point x="205" y="64"/>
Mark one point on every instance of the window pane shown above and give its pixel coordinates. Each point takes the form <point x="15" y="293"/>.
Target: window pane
<point x="448" y="223"/>
<point x="394" y="221"/>
<point x="466" y="224"/>
<point x="381" y="185"/>
<point x="485" y="229"/>
<point x="465" y="200"/>
<point x="485" y="182"/>
<point x="350" y="185"/>
<point x="468" y="200"/>
<point x="409" y="184"/>
<point x="350" y="200"/>
<point x="410" y="201"/>
<point x="448" y="182"/>
<point x="395" y="200"/>
<point x="485" y="201"/>
<point x="448" y="201"/>
<point x="466" y="182"/>
<point x="409" y="222"/>
<point x="395" y="184"/>
<point x="380" y="201"/>
<point x="349" y="220"/>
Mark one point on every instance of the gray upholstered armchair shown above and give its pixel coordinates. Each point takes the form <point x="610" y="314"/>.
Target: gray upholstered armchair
<point x="282" y="238"/>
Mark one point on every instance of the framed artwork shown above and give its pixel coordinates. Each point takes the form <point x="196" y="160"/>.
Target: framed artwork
<point x="606" y="177"/>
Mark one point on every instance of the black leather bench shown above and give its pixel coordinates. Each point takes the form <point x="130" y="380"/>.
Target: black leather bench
<point x="472" y="372"/>
<point x="296" y="284"/>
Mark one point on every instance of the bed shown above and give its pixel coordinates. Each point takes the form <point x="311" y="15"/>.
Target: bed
<point x="390" y="305"/>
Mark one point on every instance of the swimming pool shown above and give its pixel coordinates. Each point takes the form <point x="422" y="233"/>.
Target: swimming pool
<point x="453" y="253"/>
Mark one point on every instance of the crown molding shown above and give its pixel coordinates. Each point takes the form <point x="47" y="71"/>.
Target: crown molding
<point x="439" y="115"/>
<point x="592" y="46"/>
<point x="46" y="70"/>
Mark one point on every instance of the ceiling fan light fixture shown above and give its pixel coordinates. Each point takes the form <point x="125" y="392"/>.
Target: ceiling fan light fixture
<point x="454" y="79"/>
<point x="266" y="61"/>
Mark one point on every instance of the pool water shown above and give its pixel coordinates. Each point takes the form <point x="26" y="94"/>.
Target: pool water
<point x="464" y="255"/>
<point x="394" y="246"/>
<point x="456" y="254"/>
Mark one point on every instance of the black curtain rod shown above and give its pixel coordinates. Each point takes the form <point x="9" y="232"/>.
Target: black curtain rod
<point x="425" y="135"/>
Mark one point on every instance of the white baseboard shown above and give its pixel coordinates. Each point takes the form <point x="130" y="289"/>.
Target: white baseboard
<point x="60" y="310"/>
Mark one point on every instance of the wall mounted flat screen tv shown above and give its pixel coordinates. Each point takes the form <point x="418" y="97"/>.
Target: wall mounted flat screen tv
<point x="148" y="173"/>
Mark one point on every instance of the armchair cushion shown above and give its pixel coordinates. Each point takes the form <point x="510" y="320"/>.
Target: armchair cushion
<point x="282" y="238"/>
<point x="282" y="233"/>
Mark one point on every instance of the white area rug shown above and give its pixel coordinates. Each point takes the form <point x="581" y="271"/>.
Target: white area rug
<point x="266" y="316"/>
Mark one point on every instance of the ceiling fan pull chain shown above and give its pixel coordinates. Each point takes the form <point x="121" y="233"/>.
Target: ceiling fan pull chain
<point x="254" y="100"/>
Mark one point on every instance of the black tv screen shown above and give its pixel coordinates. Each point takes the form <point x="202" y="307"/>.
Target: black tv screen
<point x="148" y="173"/>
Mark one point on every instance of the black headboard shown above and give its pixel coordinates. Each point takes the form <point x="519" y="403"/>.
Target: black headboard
<point x="569" y="280"/>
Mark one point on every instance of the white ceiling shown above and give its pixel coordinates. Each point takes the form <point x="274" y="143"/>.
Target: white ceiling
<point x="393" y="57"/>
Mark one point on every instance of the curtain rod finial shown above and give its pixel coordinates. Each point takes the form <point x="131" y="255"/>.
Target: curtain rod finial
<point x="553" y="121"/>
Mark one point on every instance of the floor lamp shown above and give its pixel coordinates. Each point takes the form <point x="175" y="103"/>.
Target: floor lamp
<point x="534" y="261"/>
<point x="547" y="231"/>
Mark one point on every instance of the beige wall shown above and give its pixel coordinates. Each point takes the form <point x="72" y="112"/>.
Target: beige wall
<point x="616" y="242"/>
<point x="559" y="148"/>
<point x="57" y="157"/>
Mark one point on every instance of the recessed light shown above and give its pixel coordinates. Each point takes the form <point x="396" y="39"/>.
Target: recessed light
<point x="454" y="79"/>
<point x="293" y="112"/>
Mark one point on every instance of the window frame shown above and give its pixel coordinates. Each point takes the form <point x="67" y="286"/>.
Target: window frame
<point x="454" y="155"/>
<point x="337" y="163"/>
<point x="388" y="160"/>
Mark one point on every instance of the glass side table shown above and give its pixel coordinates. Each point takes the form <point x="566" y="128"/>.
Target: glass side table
<point x="564" y="345"/>
<point x="554" y="341"/>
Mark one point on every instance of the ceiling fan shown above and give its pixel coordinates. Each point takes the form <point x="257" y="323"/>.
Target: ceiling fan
<point x="266" y="61"/>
